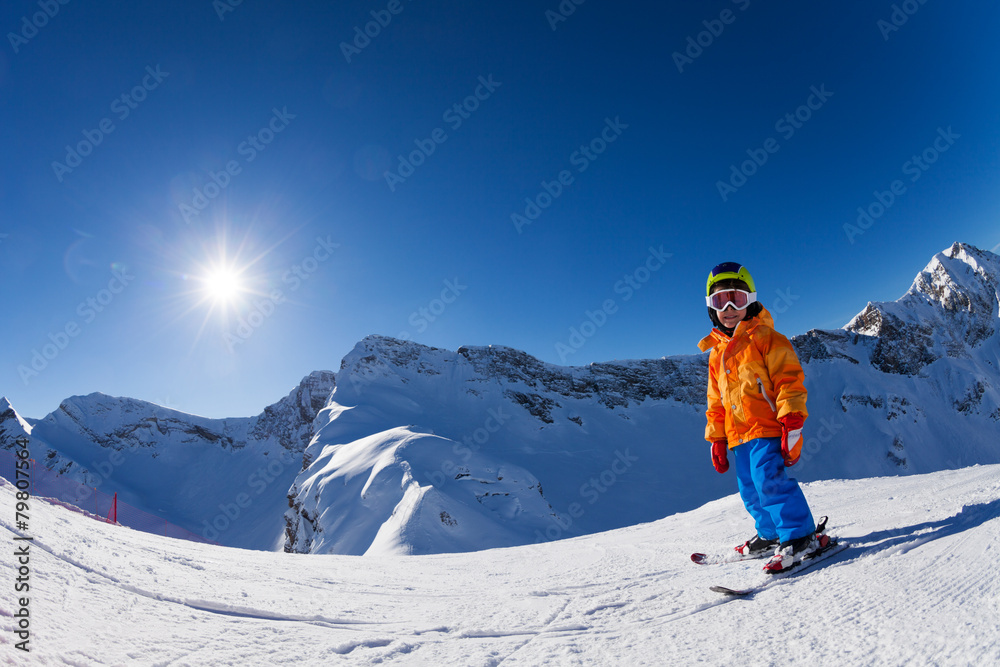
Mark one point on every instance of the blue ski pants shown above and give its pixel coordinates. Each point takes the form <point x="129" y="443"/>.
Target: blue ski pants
<point x="773" y="499"/>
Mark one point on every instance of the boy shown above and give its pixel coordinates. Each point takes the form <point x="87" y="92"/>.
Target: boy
<point x="756" y="407"/>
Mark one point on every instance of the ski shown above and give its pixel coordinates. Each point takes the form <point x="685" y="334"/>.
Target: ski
<point x="734" y="557"/>
<point x="834" y="547"/>
<point x="734" y="592"/>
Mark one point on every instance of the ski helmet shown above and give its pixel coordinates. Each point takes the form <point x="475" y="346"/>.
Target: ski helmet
<point x="729" y="271"/>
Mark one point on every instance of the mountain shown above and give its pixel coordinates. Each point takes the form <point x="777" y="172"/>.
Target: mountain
<point x="950" y="311"/>
<point x="423" y="450"/>
<point x="12" y="425"/>
<point x="915" y="382"/>
<point x="917" y="585"/>
<point x="224" y="479"/>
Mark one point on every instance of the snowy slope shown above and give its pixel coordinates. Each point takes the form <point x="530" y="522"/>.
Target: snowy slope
<point x="224" y="479"/>
<point x="919" y="585"/>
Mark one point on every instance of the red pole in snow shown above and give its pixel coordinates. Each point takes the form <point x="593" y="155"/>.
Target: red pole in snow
<point x="113" y="514"/>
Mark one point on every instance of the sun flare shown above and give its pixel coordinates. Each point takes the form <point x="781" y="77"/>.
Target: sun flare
<point x="222" y="285"/>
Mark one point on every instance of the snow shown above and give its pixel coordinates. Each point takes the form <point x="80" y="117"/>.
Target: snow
<point x="918" y="584"/>
<point x="18" y="426"/>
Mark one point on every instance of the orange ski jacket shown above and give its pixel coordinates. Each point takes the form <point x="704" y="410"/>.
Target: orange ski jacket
<point x="754" y="378"/>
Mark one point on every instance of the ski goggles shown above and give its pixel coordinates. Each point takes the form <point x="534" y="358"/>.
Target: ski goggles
<point x="736" y="298"/>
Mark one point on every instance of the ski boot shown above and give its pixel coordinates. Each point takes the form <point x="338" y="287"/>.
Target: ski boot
<point x="756" y="547"/>
<point x="791" y="553"/>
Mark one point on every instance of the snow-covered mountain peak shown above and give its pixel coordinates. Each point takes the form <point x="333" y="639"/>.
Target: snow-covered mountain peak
<point x="961" y="279"/>
<point x="960" y="282"/>
<point x="121" y="422"/>
<point x="98" y="412"/>
<point x="12" y="425"/>
<point x="950" y="310"/>
<point x="377" y="358"/>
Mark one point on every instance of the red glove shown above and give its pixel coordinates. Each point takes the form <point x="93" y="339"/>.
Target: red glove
<point x="720" y="456"/>
<point x="791" y="437"/>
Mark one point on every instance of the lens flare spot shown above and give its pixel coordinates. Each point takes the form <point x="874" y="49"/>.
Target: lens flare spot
<point x="222" y="284"/>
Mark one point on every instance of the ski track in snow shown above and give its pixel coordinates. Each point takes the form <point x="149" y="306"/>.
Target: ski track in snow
<point x="917" y="584"/>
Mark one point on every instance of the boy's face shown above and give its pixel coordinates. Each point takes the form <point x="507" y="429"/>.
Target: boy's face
<point x="730" y="317"/>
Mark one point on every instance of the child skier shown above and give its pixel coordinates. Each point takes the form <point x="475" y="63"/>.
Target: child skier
<point x="756" y="407"/>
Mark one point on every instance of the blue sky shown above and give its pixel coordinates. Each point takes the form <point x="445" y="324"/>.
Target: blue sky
<point x="554" y="177"/>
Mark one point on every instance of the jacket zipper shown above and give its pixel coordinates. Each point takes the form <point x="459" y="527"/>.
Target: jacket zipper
<point x="760" y="385"/>
<point x="725" y="381"/>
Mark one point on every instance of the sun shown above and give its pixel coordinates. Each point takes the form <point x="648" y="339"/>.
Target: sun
<point x="222" y="285"/>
